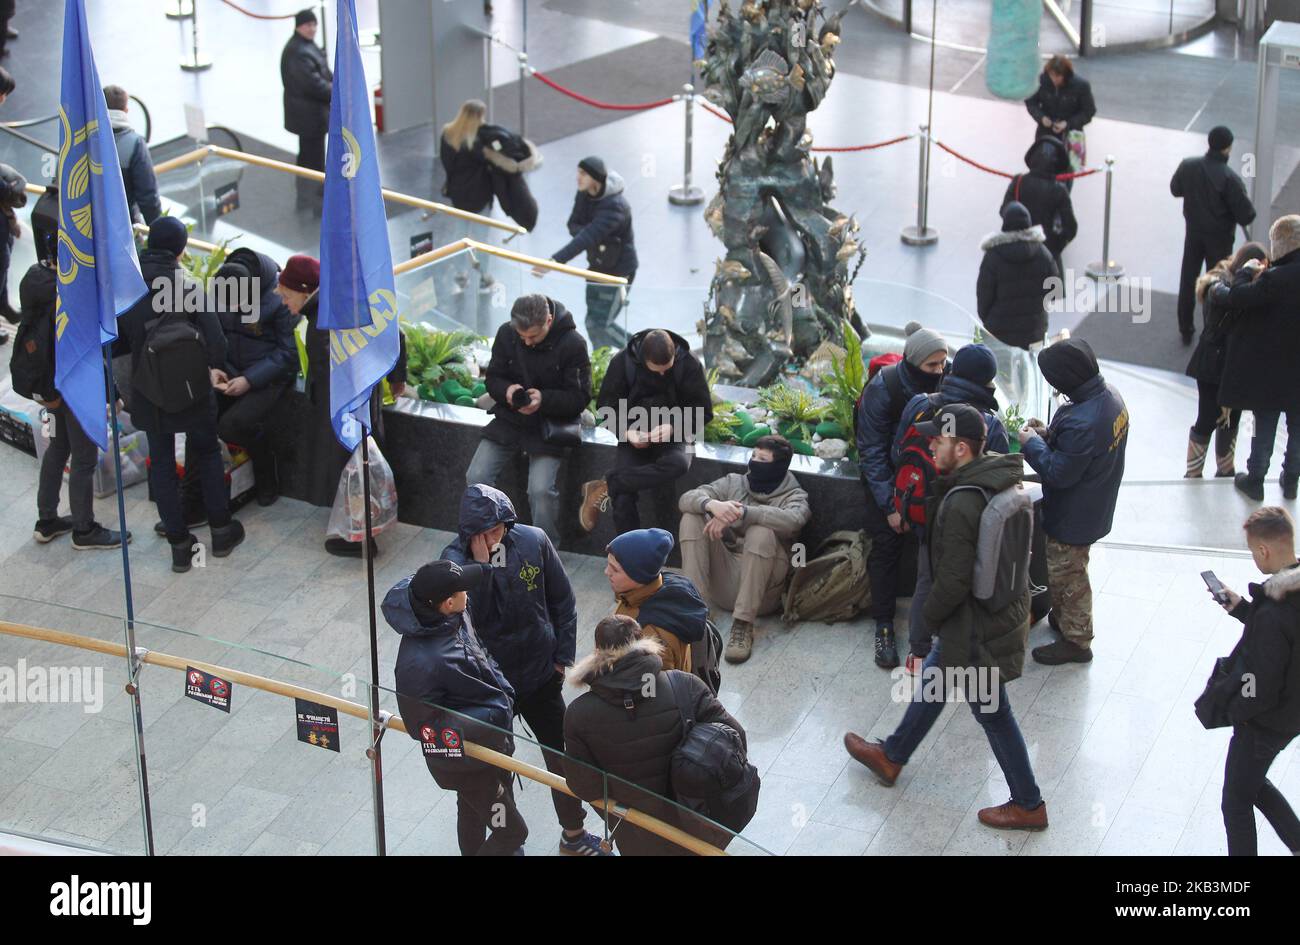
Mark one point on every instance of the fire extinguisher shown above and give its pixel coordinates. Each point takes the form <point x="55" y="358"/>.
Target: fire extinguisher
<point x="379" y="108"/>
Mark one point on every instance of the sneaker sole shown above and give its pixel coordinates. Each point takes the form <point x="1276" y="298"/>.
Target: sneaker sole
<point x="113" y="547"/>
<point x="46" y="539"/>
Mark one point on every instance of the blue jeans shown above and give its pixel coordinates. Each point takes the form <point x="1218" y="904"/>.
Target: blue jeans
<point x="999" y="726"/>
<point x="918" y="634"/>
<point x="543" y="481"/>
<point x="1261" y="444"/>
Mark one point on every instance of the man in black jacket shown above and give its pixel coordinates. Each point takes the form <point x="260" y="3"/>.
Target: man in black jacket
<point x="601" y="227"/>
<point x="540" y="380"/>
<point x="656" y="400"/>
<point x="1045" y="197"/>
<point x="1265" y="715"/>
<point x="1013" y="289"/>
<point x="1214" y="204"/>
<point x="133" y="157"/>
<point x="1259" y="372"/>
<point x="308" y="83"/>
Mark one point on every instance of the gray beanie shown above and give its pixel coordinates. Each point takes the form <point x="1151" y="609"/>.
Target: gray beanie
<point x="921" y="343"/>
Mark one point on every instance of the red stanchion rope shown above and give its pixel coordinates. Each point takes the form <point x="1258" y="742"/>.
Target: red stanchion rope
<point x="259" y="16"/>
<point x="594" y="103"/>
<point x="856" y="147"/>
<point x="992" y="170"/>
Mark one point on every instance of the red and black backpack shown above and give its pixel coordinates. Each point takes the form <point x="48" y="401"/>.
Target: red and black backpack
<point x="915" y="473"/>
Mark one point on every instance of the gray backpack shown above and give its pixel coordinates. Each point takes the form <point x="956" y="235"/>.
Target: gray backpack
<point x="1003" y="547"/>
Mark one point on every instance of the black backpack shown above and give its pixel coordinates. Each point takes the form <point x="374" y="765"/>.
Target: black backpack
<point x="710" y="773"/>
<point x="172" y="373"/>
<point x="706" y="657"/>
<point x="31" y="366"/>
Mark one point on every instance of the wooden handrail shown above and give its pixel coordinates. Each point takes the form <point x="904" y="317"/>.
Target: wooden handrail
<point x="266" y="684"/>
<point x="433" y="255"/>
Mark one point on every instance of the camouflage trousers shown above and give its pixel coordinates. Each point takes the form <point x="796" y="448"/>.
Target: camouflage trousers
<point x="1067" y="576"/>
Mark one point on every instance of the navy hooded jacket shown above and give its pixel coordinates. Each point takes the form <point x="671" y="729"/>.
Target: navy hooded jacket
<point x="878" y="421"/>
<point x="526" y="614"/>
<point x="263" y="351"/>
<point x="601" y="227"/>
<point x="957" y="390"/>
<point x="441" y="665"/>
<point x="1081" y="459"/>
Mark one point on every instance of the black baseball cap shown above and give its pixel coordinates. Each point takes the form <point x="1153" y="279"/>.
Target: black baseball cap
<point x="438" y="580"/>
<point x="961" y="420"/>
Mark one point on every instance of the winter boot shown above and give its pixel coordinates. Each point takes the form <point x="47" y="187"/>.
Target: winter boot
<point x="1225" y="452"/>
<point x="1197" y="446"/>
<point x="183" y="553"/>
<point x="226" y="537"/>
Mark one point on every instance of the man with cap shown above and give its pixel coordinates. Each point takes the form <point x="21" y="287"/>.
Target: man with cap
<point x="1214" y="204"/>
<point x="450" y="690"/>
<point x="1014" y="285"/>
<point x="601" y="227"/>
<point x="925" y="356"/>
<point x="528" y="620"/>
<point x="978" y="648"/>
<point x="298" y="285"/>
<point x="1080" y="459"/>
<point x="668" y="606"/>
<point x="168" y="283"/>
<point x="308" y="83"/>
<point x="736" y="534"/>
<point x="970" y="381"/>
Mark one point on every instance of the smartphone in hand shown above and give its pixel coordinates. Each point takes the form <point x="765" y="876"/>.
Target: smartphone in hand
<point x="1216" y="586"/>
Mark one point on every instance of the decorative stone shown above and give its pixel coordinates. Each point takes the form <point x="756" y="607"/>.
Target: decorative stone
<point x="831" y="449"/>
<point x="588" y="418"/>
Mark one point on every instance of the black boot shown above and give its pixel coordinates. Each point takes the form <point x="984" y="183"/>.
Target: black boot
<point x="226" y="537"/>
<point x="183" y="553"/>
<point x="265" y="481"/>
<point x="1288" y="484"/>
<point x="1249" y="486"/>
<point x="342" y="548"/>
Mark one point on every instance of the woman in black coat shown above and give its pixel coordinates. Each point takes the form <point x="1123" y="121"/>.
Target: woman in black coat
<point x="1063" y="102"/>
<point x="1207" y="365"/>
<point x="1013" y="289"/>
<point x="619" y="730"/>
<point x="469" y="175"/>
<point x="1045" y="197"/>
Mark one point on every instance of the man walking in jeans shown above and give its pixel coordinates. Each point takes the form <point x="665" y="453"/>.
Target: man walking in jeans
<point x="1266" y="716"/>
<point x="982" y="648"/>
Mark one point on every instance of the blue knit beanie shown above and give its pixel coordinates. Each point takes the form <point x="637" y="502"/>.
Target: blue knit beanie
<point x="642" y="553"/>
<point x="975" y="363"/>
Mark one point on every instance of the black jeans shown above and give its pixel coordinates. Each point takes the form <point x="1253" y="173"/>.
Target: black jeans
<point x="543" y="711"/>
<point x="68" y="440"/>
<point x="636" y="469"/>
<point x="882" y="560"/>
<point x="487" y="809"/>
<point x="1246" y="786"/>
<point x="1208" y="410"/>
<point x="243" y="419"/>
<point x="1199" y="249"/>
<point x="203" y="454"/>
<point x="311" y="151"/>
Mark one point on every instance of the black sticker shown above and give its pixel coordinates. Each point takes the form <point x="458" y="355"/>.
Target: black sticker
<point x="421" y="243"/>
<point x="227" y="199"/>
<point x="206" y="688"/>
<point x="442" y="741"/>
<point x="317" y="724"/>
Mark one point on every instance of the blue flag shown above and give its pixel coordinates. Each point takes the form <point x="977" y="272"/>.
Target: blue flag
<point x="357" y="300"/>
<point x="99" y="274"/>
<point x="699" y="25"/>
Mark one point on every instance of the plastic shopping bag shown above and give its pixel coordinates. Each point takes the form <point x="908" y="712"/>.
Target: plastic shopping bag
<point x="348" y="515"/>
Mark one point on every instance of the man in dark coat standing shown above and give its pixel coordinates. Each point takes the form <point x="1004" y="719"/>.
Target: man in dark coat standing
<point x="1214" y="204"/>
<point x="1259" y="372"/>
<point x="1013" y="290"/>
<point x="1080" y="459"/>
<point x="307" y="85"/>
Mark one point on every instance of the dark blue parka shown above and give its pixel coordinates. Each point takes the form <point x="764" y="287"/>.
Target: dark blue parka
<point x="526" y="615"/>
<point x="441" y="665"/>
<point x="957" y="390"/>
<point x="878" y="414"/>
<point x="1081" y="459"/>
<point x="601" y="227"/>
<point x="263" y="351"/>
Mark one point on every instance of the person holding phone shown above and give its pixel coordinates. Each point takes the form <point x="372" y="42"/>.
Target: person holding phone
<point x="1265" y="715"/>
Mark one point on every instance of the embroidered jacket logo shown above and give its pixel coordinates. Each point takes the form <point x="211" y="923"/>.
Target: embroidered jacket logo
<point x="528" y="574"/>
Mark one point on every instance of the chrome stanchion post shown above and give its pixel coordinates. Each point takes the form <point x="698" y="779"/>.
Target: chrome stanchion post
<point x="523" y="94"/>
<point x="179" y="9"/>
<point x="197" y="62"/>
<point x="922" y="234"/>
<point x="1107" y="268"/>
<point x="687" y="194"/>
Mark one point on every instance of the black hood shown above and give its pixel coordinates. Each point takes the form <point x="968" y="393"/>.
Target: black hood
<point x="1068" y="365"/>
<point x="561" y="326"/>
<point x="482" y="507"/>
<point x="1048" y="155"/>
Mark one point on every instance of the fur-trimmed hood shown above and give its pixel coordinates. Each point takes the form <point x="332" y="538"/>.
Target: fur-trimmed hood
<point x="1034" y="234"/>
<point x="609" y="666"/>
<point x="1283" y="583"/>
<point x="1284" y="236"/>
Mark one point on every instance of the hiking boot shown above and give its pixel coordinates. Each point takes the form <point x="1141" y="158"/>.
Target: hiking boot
<point x="595" y="499"/>
<point x="98" y="538"/>
<point x="585" y="844"/>
<point x="342" y="548"/>
<point x="1011" y="816"/>
<point x="1197" y="447"/>
<point x="741" y="642"/>
<point x="1062" y="651"/>
<point x="1249" y="486"/>
<point x="872" y="755"/>
<point x="1288" y="484"/>
<point x="886" y="648"/>
<point x="183" y="553"/>
<point x="226" y="537"/>
<point x="195" y="519"/>
<point x="48" y="529"/>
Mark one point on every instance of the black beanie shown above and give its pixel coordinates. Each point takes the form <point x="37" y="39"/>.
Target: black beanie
<point x="1015" y="216"/>
<point x="594" y="167"/>
<point x="1068" y="365"/>
<point x="303" y="16"/>
<point x="1220" y="138"/>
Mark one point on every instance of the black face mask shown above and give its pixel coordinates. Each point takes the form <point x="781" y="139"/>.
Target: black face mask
<point x="764" y="477"/>
<point x="923" y="382"/>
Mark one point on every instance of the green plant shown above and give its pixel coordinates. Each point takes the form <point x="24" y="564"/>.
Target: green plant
<point x="203" y="266"/>
<point x="845" y="380"/>
<point x="599" y="365"/>
<point x="798" y="410"/>
<point x="434" y="357"/>
<point x="722" y="428"/>
<point x="1014" y="421"/>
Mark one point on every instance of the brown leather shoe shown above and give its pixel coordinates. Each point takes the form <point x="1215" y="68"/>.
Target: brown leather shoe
<point x="872" y="754"/>
<point x="595" y="499"/>
<point x="1011" y="816"/>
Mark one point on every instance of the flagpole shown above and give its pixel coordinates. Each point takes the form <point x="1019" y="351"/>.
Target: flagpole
<point x="132" y="658"/>
<point x="376" y="723"/>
